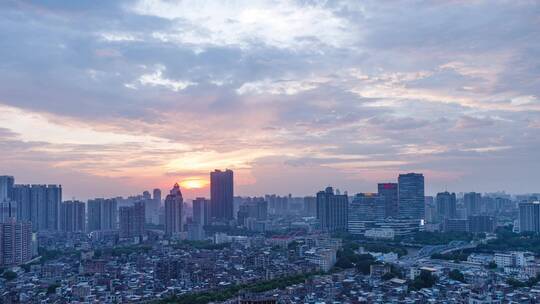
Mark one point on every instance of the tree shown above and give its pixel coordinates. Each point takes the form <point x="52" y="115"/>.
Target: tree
<point x="515" y="283"/>
<point x="344" y="263"/>
<point x="456" y="275"/>
<point x="425" y="280"/>
<point x="52" y="288"/>
<point x="9" y="275"/>
<point x="492" y="265"/>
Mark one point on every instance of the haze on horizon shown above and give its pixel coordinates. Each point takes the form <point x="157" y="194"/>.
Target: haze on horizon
<point x="111" y="98"/>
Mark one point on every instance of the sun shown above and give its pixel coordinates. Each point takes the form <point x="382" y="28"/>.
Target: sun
<point x="193" y="183"/>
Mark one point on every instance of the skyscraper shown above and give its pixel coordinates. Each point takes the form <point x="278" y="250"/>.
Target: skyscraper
<point x="102" y="214"/>
<point x="54" y="198"/>
<point x="173" y="212"/>
<point x="21" y="195"/>
<point x="389" y="193"/>
<point x="411" y="196"/>
<point x="39" y="204"/>
<point x="6" y="188"/>
<point x="481" y="223"/>
<point x="146" y="195"/>
<point x="201" y="211"/>
<point x="446" y="206"/>
<point x="473" y="203"/>
<point x="310" y="206"/>
<point x="157" y="196"/>
<point x="132" y="220"/>
<point x="529" y="217"/>
<point x="15" y="243"/>
<point x="8" y="211"/>
<point x="221" y="195"/>
<point x="368" y="206"/>
<point x="332" y="210"/>
<point x="8" y="207"/>
<point x="72" y="216"/>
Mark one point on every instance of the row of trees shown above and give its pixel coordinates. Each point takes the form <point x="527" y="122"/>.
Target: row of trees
<point x="233" y="291"/>
<point x="508" y="240"/>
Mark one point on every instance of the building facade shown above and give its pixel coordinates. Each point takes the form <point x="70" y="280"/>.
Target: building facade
<point x="529" y="217"/>
<point x="173" y="212"/>
<point x="221" y="195"/>
<point x="102" y="214"/>
<point x="389" y="193"/>
<point x="411" y="196"/>
<point x="446" y="206"/>
<point x="39" y="204"/>
<point x="72" y="216"/>
<point x="132" y="219"/>
<point x="201" y="211"/>
<point x="332" y="210"/>
<point x="15" y="243"/>
<point x="473" y="202"/>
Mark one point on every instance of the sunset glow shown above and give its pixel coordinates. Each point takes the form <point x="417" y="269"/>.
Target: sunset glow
<point x="195" y="183"/>
<point x="291" y="95"/>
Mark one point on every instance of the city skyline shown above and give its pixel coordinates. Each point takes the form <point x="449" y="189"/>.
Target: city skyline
<point x="206" y="193"/>
<point x="114" y="98"/>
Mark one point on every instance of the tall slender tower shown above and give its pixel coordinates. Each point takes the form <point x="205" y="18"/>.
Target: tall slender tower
<point x="221" y="195"/>
<point x="173" y="212"/>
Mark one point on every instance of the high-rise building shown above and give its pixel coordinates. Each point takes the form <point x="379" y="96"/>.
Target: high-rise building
<point x="102" y="214"/>
<point x="221" y="195"/>
<point x="146" y="195"/>
<point x="72" y="216"/>
<point x="157" y="196"/>
<point x="332" y="210"/>
<point x="481" y="223"/>
<point x="132" y="220"/>
<point x="368" y="206"/>
<point x="446" y="206"/>
<point x="389" y="193"/>
<point x="173" y="212"/>
<point x="431" y="209"/>
<point x="15" y="243"/>
<point x="473" y="203"/>
<point x="201" y="211"/>
<point x="411" y="196"/>
<point x="39" y="204"/>
<point x="310" y="206"/>
<point x="529" y="217"/>
<point x="6" y="188"/>
<point x="278" y="204"/>
<point x="153" y="207"/>
<point x="456" y="225"/>
<point x="256" y="209"/>
<point x="364" y="207"/>
<point x="54" y="198"/>
<point x="21" y="195"/>
<point x="8" y="211"/>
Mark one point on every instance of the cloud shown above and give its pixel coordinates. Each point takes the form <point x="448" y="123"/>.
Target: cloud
<point x="469" y="122"/>
<point x="280" y="24"/>
<point x="280" y="86"/>
<point x="156" y="79"/>
<point x="143" y="93"/>
<point x="119" y="37"/>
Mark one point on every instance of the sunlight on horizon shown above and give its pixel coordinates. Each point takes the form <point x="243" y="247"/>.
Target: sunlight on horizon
<point x="194" y="183"/>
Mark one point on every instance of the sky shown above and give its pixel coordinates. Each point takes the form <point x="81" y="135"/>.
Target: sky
<point x="112" y="98"/>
